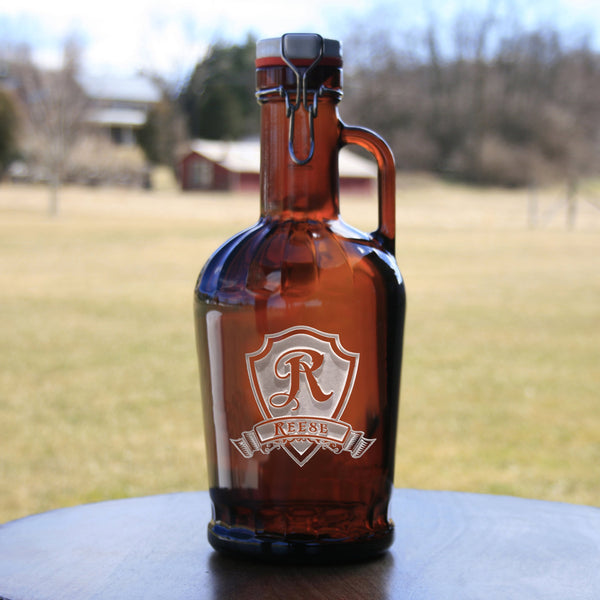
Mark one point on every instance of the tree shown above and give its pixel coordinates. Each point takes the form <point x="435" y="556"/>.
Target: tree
<point x="218" y="99"/>
<point x="163" y="130"/>
<point x="8" y="130"/>
<point x="493" y="103"/>
<point x="55" y="108"/>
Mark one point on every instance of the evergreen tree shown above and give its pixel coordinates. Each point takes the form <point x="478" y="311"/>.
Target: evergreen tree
<point x="218" y="99"/>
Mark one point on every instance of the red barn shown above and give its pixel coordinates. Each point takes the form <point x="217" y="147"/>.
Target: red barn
<point x="235" y="166"/>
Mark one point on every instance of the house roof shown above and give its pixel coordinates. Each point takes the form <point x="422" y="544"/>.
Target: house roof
<point x="117" y="116"/>
<point x="244" y="157"/>
<point x="129" y="89"/>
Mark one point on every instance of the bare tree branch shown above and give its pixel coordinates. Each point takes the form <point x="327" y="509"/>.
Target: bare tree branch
<point x="55" y="108"/>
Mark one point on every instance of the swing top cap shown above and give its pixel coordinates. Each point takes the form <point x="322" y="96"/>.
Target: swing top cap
<point x="299" y="49"/>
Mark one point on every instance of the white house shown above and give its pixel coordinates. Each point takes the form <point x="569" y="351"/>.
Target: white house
<point x="119" y="106"/>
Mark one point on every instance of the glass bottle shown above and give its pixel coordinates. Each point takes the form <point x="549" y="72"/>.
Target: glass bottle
<point x="299" y="327"/>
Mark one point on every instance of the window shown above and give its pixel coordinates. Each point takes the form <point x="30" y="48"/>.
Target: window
<point x="201" y="174"/>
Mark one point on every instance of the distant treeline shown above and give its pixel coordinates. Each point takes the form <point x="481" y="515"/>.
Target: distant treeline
<point x="489" y="103"/>
<point x="481" y="100"/>
<point x="486" y="102"/>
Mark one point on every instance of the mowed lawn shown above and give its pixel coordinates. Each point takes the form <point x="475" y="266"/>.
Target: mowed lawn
<point x="99" y="393"/>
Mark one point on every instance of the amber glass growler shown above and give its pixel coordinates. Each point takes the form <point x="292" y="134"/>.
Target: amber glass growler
<point x="299" y="326"/>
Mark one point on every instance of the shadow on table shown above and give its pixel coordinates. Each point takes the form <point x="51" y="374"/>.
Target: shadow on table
<point x="233" y="578"/>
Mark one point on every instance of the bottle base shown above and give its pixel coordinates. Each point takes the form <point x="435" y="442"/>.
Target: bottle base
<point x="242" y="543"/>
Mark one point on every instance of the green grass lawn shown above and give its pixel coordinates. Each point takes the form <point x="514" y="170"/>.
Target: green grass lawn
<point x="99" y="394"/>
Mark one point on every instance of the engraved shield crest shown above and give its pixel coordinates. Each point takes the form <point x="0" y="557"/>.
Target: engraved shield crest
<point x="301" y="377"/>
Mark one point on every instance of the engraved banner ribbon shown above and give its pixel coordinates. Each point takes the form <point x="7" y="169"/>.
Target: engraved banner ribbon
<point x="273" y="433"/>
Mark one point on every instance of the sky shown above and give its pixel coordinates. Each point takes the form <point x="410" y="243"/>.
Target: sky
<point x="169" y="37"/>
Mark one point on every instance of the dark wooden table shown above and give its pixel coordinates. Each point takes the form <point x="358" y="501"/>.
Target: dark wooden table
<point x="448" y="546"/>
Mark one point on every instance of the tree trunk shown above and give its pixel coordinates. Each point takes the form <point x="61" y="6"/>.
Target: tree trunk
<point x="53" y="200"/>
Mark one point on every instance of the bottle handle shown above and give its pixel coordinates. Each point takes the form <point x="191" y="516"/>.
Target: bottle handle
<point x="386" y="179"/>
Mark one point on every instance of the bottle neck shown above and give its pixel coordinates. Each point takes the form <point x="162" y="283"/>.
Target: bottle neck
<point x="292" y="186"/>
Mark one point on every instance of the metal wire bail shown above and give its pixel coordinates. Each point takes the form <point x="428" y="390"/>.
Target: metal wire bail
<point x="301" y="99"/>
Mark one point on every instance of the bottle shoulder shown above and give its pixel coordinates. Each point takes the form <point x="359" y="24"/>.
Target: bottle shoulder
<point x="291" y="257"/>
